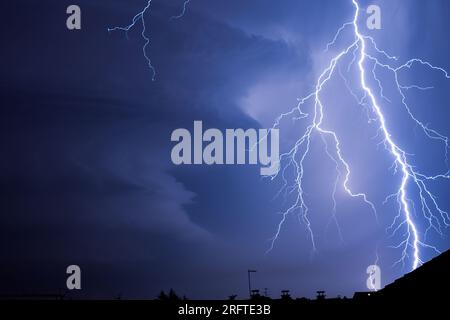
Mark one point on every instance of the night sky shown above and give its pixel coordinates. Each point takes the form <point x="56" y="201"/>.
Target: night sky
<point x="86" y="175"/>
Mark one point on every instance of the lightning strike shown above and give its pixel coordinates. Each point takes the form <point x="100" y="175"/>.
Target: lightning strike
<point x="140" y="18"/>
<point x="413" y="240"/>
<point x="183" y="11"/>
<point x="437" y="218"/>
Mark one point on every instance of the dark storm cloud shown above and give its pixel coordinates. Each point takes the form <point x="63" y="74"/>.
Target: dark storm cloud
<point x="88" y="174"/>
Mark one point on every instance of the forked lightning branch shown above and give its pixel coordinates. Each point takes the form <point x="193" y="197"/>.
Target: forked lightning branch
<point x="414" y="189"/>
<point x="413" y="238"/>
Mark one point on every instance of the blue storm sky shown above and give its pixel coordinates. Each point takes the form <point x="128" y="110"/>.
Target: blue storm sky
<point x="86" y="174"/>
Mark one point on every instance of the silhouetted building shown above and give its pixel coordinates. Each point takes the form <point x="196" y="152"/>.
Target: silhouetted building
<point x="321" y="295"/>
<point x="423" y="283"/>
<point x="255" y="294"/>
<point x="363" y="295"/>
<point x="285" y="295"/>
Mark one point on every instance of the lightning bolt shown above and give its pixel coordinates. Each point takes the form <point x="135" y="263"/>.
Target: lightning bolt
<point x="412" y="239"/>
<point x="295" y="158"/>
<point x="140" y="18"/>
<point x="183" y="11"/>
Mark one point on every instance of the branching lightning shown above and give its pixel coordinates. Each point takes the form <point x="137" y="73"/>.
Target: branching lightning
<point x="413" y="241"/>
<point x="140" y="18"/>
